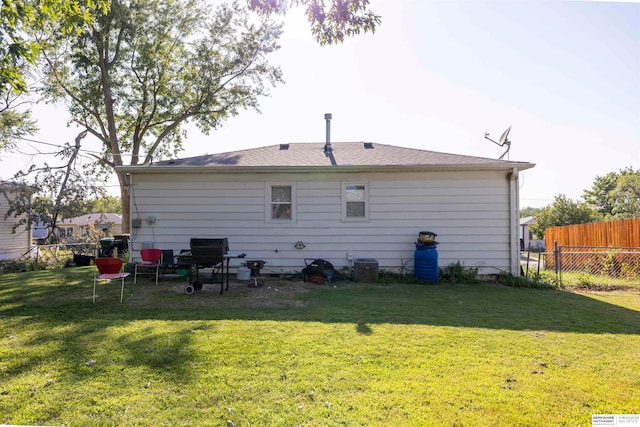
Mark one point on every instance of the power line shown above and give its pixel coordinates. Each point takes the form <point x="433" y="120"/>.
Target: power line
<point x="42" y="142"/>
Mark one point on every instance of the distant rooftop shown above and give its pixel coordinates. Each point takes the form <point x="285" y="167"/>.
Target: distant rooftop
<point x="93" y="218"/>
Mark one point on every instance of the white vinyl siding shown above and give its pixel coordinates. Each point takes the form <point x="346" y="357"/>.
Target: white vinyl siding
<point x="469" y="210"/>
<point x="12" y="245"/>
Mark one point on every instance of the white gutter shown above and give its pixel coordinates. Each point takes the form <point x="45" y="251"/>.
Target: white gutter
<point x="189" y="169"/>
<point x="514" y="222"/>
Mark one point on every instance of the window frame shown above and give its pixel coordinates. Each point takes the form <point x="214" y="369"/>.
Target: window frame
<point x="345" y="185"/>
<point x="269" y="204"/>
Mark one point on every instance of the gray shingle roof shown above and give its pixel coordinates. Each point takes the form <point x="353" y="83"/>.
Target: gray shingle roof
<point x="345" y="154"/>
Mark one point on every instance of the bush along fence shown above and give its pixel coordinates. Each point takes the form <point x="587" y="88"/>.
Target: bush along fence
<point x="46" y="256"/>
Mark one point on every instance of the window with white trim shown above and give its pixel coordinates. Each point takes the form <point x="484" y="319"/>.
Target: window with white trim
<point x="355" y="201"/>
<point x="280" y="203"/>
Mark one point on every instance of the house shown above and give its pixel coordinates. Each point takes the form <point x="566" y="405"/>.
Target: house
<point x="339" y="202"/>
<point x="527" y="242"/>
<point x="526" y="236"/>
<point x="90" y="226"/>
<point x="39" y="232"/>
<point x="13" y="244"/>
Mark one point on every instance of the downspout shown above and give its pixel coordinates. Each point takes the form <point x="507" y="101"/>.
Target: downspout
<point x="133" y="232"/>
<point x="514" y="215"/>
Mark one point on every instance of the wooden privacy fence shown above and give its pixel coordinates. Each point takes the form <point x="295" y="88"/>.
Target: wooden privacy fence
<point x="623" y="233"/>
<point x="610" y="247"/>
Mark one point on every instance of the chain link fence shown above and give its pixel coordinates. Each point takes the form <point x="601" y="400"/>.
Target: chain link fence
<point x="593" y="267"/>
<point x="38" y="257"/>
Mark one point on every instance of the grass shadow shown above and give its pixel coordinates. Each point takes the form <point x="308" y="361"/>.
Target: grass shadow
<point x="65" y="295"/>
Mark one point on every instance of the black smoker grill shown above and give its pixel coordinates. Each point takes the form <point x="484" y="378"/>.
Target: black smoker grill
<point x="206" y="253"/>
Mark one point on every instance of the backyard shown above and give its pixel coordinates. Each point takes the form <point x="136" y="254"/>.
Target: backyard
<point x="293" y="353"/>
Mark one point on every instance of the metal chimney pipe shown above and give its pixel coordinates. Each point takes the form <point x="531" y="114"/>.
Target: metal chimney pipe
<point x="327" y="117"/>
<point x="328" y="151"/>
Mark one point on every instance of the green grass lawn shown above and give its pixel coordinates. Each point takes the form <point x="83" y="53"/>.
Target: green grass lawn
<point x="293" y="353"/>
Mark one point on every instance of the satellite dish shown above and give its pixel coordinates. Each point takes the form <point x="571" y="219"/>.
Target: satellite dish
<point x="504" y="140"/>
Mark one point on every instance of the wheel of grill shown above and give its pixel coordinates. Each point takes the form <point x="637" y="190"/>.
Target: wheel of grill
<point x="197" y="285"/>
<point x="189" y="289"/>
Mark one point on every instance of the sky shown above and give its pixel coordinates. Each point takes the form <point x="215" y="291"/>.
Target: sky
<point x="438" y="75"/>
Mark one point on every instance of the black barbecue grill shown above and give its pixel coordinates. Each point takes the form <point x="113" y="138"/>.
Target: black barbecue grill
<point x="206" y="253"/>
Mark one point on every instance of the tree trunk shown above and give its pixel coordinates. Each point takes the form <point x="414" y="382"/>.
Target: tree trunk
<point x="112" y="137"/>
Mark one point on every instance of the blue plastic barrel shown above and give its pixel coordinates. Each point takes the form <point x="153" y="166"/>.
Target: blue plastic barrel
<point x="425" y="265"/>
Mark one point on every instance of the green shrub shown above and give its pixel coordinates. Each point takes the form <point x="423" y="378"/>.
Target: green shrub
<point x="457" y="273"/>
<point x="391" y="277"/>
<point x="538" y="282"/>
<point x="584" y="279"/>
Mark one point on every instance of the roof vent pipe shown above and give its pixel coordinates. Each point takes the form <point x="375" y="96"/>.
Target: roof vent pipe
<point x="328" y="151"/>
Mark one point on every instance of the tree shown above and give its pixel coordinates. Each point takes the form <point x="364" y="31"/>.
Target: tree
<point x="18" y="18"/>
<point x="105" y="204"/>
<point x="616" y="195"/>
<point x="18" y="53"/>
<point x="147" y="67"/>
<point x="563" y="211"/>
<point x="625" y="197"/>
<point x="529" y="211"/>
<point x="62" y="193"/>
<point x="330" y="23"/>
<point x="14" y="124"/>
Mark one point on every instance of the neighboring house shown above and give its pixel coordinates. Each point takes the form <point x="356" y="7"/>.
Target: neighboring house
<point x="339" y="202"/>
<point x="39" y="232"/>
<point x="527" y="242"/>
<point x="13" y="245"/>
<point x="526" y="235"/>
<point x="90" y="226"/>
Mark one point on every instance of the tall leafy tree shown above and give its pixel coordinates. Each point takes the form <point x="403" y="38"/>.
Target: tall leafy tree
<point x="19" y="52"/>
<point x="140" y="72"/>
<point x="18" y="19"/>
<point x="615" y="195"/>
<point x="529" y="211"/>
<point x="331" y="21"/>
<point x="563" y="211"/>
<point x="15" y="123"/>
<point x="626" y="196"/>
<point x="105" y="204"/>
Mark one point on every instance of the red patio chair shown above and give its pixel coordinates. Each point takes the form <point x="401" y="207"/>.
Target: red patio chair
<point x="109" y="269"/>
<point x="150" y="262"/>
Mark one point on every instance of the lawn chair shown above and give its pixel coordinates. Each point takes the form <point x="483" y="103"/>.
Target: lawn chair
<point x="167" y="262"/>
<point x="109" y="269"/>
<point x="150" y="262"/>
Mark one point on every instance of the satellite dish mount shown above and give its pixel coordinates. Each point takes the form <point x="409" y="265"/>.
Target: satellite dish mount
<point x="502" y="142"/>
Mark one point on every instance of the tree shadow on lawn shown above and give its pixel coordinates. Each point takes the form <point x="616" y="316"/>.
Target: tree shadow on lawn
<point x="474" y="306"/>
<point x="60" y="321"/>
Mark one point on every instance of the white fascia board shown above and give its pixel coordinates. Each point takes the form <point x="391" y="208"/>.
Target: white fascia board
<point x="314" y="169"/>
